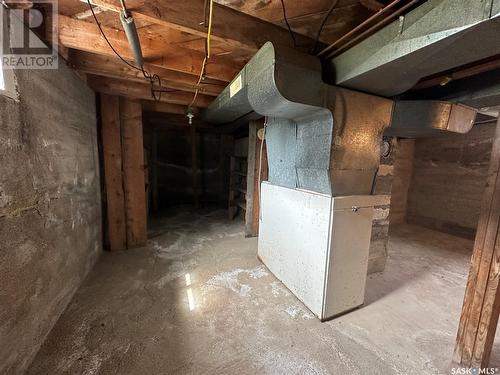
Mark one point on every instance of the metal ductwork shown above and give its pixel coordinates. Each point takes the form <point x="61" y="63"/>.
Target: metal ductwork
<point x="323" y="150"/>
<point x="424" y="118"/>
<point x="323" y="145"/>
<point x="436" y="36"/>
<point x="320" y="138"/>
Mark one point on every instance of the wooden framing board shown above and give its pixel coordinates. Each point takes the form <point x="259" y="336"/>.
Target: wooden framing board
<point x="133" y="172"/>
<point x="111" y="140"/>
<point x="480" y="310"/>
<point x="139" y="90"/>
<point x="86" y="36"/>
<point x="253" y="178"/>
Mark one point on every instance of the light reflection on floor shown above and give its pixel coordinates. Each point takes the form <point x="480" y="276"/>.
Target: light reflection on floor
<point x="189" y="293"/>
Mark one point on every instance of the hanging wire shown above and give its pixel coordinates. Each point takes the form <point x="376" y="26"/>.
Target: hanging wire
<point x="152" y="78"/>
<point x="292" y="34"/>
<point x="207" y="53"/>
<point x="322" y="25"/>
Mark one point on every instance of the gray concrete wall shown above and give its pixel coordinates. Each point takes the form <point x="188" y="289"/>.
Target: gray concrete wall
<point x="50" y="215"/>
<point x="403" y="170"/>
<point x="380" y="229"/>
<point x="449" y="176"/>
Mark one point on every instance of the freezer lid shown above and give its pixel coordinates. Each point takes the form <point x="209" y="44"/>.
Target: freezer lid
<point x="359" y="201"/>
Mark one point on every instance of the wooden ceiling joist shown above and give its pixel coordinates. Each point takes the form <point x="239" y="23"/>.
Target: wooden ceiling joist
<point x="108" y="66"/>
<point x="139" y="90"/>
<point x="236" y="29"/>
<point x="86" y="36"/>
<point x="161" y="107"/>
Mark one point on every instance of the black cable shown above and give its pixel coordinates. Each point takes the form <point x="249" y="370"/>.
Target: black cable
<point x="106" y="39"/>
<point x="292" y="34"/>
<point x="152" y="78"/>
<point x="323" y="22"/>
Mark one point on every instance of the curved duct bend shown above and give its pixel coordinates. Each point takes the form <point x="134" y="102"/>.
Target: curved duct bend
<point x="319" y="137"/>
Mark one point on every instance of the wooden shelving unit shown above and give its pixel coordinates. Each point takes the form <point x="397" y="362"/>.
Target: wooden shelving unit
<point x="237" y="185"/>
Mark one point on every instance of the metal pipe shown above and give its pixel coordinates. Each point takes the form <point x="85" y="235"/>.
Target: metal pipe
<point x="360" y="26"/>
<point x="132" y="36"/>
<point x="379" y="24"/>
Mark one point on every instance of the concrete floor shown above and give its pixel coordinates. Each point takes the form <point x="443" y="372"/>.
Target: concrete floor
<point x="197" y="301"/>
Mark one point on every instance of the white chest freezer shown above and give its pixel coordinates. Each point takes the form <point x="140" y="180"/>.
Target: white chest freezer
<point x="317" y="245"/>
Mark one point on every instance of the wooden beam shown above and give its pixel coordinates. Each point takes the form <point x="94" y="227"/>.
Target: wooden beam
<point x="233" y="28"/>
<point x="232" y="208"/>
<point x="374" y="5"/>
<point x="178" y="121"/>
<point x="458" y="73"/>
<point x="139" y="90"/>
<point x="133" y="172"/>
<point x="256" y="173"/>
<point x="86" y="36"/>
<point x="112" y="152"/>
<point x="152" y="106"/>
<point x="110" y="66"/>
<point x="480" y="310"/>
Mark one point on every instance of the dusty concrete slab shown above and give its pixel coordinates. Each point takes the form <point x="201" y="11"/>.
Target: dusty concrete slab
<point x="197" y="301"/>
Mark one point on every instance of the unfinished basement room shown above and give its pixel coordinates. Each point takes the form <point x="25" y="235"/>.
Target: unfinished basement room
<point x="250" y="187"/>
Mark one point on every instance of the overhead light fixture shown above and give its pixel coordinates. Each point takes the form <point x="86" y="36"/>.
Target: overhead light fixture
<point x="190" y="115"/>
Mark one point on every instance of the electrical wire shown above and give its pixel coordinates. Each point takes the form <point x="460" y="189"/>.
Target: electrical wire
<point x="292" y="34"/>
<point x="152" y="78"/>
<point x="207" y="53"/>
<point x="322" y="25"/>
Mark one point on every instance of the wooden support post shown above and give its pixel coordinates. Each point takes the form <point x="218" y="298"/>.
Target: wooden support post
<point x="194" y="165"/>
<point x="111" y="141"/>
<point x="133" y="172"/>
<point x="481" y="306"/>
<point x="232" y="208"/>
<point x="257" y="172"/>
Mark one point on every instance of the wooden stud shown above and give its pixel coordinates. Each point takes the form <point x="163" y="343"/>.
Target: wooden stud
<point x="481" y="306"/>
<point x="133" y="172"/>
<point x="111" y="140"/>
<point x="257" y="172"/>
<point x="232" y="208"/>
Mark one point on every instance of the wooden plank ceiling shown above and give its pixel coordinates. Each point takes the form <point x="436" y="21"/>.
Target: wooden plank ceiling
<point x="173" y="35"/>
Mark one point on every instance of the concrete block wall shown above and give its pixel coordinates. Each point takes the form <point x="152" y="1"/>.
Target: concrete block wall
<point x="380" y="228"/>
<point x="50" y="207"/>
<point x="403" y="170"/>
<point x="449" y="176"/>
